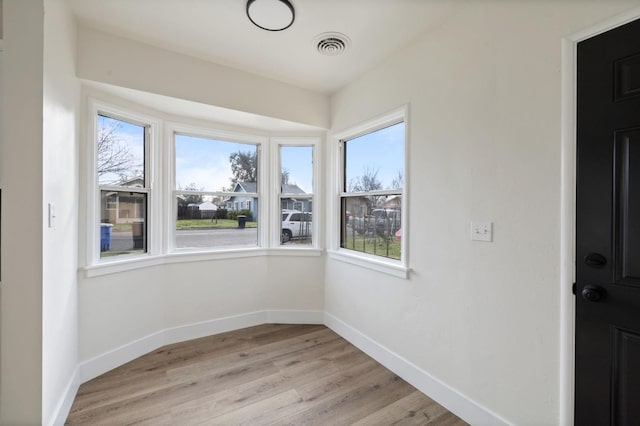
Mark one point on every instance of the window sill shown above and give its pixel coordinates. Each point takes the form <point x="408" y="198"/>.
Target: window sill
<point x="295" y="251"/>
<point x="121" y="265"/>
<point x="390" y="268"/>
<point x="145" y="261"/>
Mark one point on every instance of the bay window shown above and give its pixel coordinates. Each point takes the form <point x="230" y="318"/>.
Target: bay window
<point x="159" y="190"/>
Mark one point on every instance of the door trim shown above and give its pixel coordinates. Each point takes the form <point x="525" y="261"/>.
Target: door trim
<point x="567" y="204"/>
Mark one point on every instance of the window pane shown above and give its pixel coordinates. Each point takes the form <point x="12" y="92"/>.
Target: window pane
<point x="296" y="169"/>
<point x="123" y="224"/>
<point x="120" y="153"/>
<point x="372" y="225"/>
<point x="204" y="164"/>
<point x="209" y="224"/>
<point x="375" y="161"/>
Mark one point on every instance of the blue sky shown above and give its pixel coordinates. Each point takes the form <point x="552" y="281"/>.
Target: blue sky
<point x="129" y="137"/>
<point x="205" y="162"/>
<point x="382" y="150"/>
<point x="298" y="160"/>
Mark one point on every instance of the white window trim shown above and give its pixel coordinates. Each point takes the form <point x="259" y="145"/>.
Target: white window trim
<point x="172" y="128"/>
<point x="160" y="175"/>
<point x="276" y="167"/>
<point x="398" y="268"/>
<point x="153" y="217"/>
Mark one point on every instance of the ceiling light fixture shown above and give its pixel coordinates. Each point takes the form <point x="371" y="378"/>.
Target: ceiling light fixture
<point x="271" y="15"/>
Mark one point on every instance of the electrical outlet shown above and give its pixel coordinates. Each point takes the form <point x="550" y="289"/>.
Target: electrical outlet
<point x="482" y="231"/>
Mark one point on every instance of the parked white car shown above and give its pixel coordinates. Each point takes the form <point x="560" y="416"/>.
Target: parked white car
<point x="295" y="224"/>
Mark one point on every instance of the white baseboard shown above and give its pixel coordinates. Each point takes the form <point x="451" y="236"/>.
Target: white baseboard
<point x="454" y="401"/>
<point x="61" y="411"/>
<point x="100" y="364"/>
<point x="211" y="327"/>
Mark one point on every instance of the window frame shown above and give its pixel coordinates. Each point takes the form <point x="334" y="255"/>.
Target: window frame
<point x="276" y="170"/>
<point x="151" y="155"/>
<point x="399" y="268"/>
<point x="159" y="163"/>
<point x="171" y="130"/>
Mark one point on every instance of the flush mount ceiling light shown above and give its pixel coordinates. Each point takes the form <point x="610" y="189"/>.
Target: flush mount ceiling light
<point x="271" y="15"/>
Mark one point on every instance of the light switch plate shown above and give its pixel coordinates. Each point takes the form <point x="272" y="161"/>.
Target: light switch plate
<point x="52" y="215"/>
<point x="482" y="231"/>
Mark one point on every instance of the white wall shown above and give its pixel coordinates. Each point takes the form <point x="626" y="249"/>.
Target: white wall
<point x="21" y="157"/>
<point x="1" y="149"/>
<point x="484" y="93"/>
<point x="114" y="60"/>
<point x="125" y="315"/>
<point x="116" y="310"/>
<point x="60" y="187"/>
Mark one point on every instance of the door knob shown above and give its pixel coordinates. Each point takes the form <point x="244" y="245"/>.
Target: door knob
<point x="593" y="293"/>
<point x="595" y="260"/>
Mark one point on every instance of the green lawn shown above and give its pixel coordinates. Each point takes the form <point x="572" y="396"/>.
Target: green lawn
<point x="210" y="224"/>
<point x="380" y="246"/>
<point x="117" y="253"/>
<point x="193" y="224"/>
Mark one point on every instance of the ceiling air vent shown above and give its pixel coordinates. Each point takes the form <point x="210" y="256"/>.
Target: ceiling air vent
<point x="332" y="44"/>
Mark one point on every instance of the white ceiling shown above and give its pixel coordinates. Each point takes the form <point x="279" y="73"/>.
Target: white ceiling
<point x="219" y="31"/>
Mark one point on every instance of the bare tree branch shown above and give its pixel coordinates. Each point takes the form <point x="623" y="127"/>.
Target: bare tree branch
<point x="368" y="181"/>
<point x="114" y="156"/>
<point x="398" y="181"/>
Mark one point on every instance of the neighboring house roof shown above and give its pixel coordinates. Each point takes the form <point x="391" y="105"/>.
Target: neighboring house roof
<point x="292" y="189"/>
<point x="246" y="187"/>
<point x="253" y="188"/>
<point x="208" y="206"/>
<point x="136" y="182"/>
<point x="393" y="201"/>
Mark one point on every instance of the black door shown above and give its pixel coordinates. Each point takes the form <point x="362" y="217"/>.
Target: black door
<point x="608" y="229"/>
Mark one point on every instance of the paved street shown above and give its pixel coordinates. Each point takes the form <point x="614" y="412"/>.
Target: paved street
<point x="248" y="237"/>
<point x="217" y="237"/>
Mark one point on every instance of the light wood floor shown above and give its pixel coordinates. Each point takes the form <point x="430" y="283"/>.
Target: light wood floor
<point x="264" y="375"/>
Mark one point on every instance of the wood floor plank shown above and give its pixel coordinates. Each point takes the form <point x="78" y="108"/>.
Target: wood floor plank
<point x="272" y="374"/>
<point x="267" y="411"/>
<point x="346" y="404"/>
<point x="241" y="359"/>
<point x="207" y="406"/>
<point x="413" y="409"/>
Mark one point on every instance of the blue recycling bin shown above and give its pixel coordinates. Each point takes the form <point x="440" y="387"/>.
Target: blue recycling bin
<point x="105" y="236"/>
